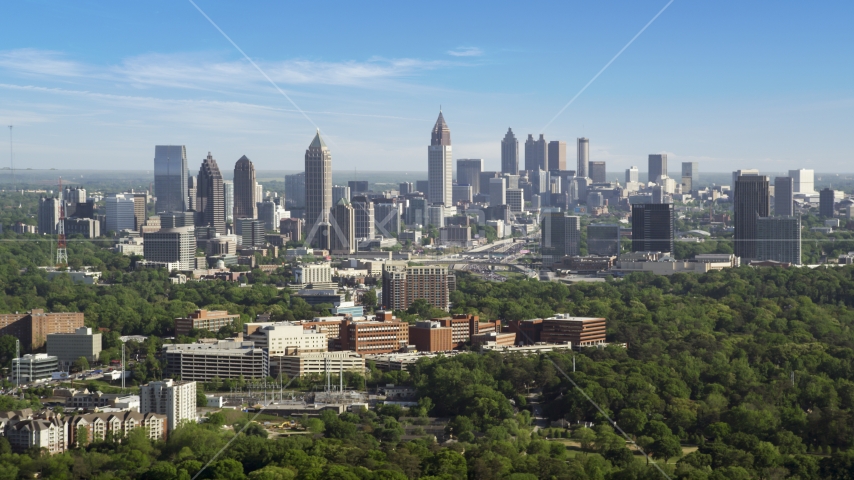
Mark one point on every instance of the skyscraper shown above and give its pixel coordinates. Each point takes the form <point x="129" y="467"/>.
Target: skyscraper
<point x="244" y="189"/>
<point x="784" y="203"/>
<point x="468" y="173"/>
<point x="440" y="166"/>
<point x="192" y="183"/>
<point x="583" y="157"/>
<point x="597" y="172"/>
<point x="339" y="192"/>
<point x="210" y="196"/>
<point x="560" y="236"/>
<point x="120" y="212"/>
<point x="653" y="227"/>
<point x="48" y="215"/>
<point x="779" y="239"/>
<point x="804" y="180"/>
<point x="228" y="195"/>
<point x="363" y="211"/>
<point x="657" y="166"/>
<point x="632" y="174"/>
<point x="295" y="190"/>
<point x="826" y="201"/>
<point x="343" y="232"/>
<point x="536" y="153"/>
<point x="170" y="178"/>
<point x="556" y="156"/>
<point x="738" y="173"/>
<point x="690" y="176"/>
<point x="751" y="201"/>
<point x="509" y="154"/>
<point x="603" y="239"/>
<point x="497" y="191"/>
<point x="318" y="187"/>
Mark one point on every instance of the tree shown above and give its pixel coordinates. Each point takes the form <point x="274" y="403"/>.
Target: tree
<point x="201" y="399"/>
<point x="80" y="365"/>
<point x="369" y="299"/>
<point x="666" y="447"/>
<point x="82" y="436"/>
<point x="228" y="469"/>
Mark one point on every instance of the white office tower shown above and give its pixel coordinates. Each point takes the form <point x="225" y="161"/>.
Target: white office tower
<point x="632" y="174"/>
<point x="440" y="173"/>
<point x="228" y="190"/>
<point x="259" y="192"/>
<point x="339" y="192"/>
<point x="170" y="245"/>
<point x="804" y="180"/>
<point x="583" y="157"/>
<point x="176" y="400"/>
<point x="120" y="213"/>
<point x="497" y="191"/>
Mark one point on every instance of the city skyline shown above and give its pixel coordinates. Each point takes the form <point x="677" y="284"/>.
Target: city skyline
<point x="69" y="92"/>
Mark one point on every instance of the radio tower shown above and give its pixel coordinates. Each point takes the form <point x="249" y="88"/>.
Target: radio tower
<point x="61" y="251"/>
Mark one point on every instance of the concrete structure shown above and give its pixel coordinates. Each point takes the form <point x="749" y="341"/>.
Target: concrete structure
<point x="556" y="156"/>
<point x="657" y="167"/>
<point x="364" y="217"/>
<point x="117" y="425"/>
<point x="210" y="196"/>
<point x="33" y="367"/>
<point x="223" y="359"/>
<point x="87" y="227"/>
<point x="690" y="176"/>
<point x="509" y="153"/>
<point x="120" y="212"/>
<point x="597" y="172"/>
<point x="784" y="196"/>
<point x="663" y="264"/>
<point x="536" y="154"/>
<point x="468" y="173"/>
<point x="292" y="227"/>
<point x="48" y="217"/>
<point x="339" y="192"/>
<point x="440" y="167"/>
<point x="210" y="320"/>
<point x="464" y="327"/>
<point x="318" y="363"/>
<point x="402" y="285"/>
<point x="653" y="227"/>
<point x="497" y="191"/>
<point x="583" y="152"/>
<point x="751" y="201"/>
<point x="68" y="347"/>
<point x="171" y="245"/>
<point x="313" y="274"/>
<point x="244" y="189"/>
<point x="176" y="400"/>
<point x="170" y="178"/>
<point x="515" y="199"/>
<point x="494" y="340"/>
<point x="318" y="191"/>
<point x="295" y="190"/>
<point x="632" y="174"/>
<point x="285" y="338"/>
<point x="33" y="327"/>
<point x="463" y="193"/>
<point x="779" y="239"/>
<point x="603" y="239"/>
<point x="430" y="336"/>
<point x="343" y="232"/>
<point x="804" y="180"/>
<point x="826" y="202"/>
<point x="560" y="235"/>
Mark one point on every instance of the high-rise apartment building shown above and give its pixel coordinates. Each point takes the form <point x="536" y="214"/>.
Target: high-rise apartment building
<point x="583" y="157"/>
<point x="171" y="245"/>
<point x="33" y="327"/>
<point x="657" y="167"/>
<point x="121" y="212"/>
<point x="597" y="172"/>
<point x="536" y="153"/>
<point x="653" y="227"/>
<point x="364" y="217"/>
<point x="295" y="190"/>
<point x="210" y="196"/>
<point x="228" y="195"/>
<point x="632" y="175"/>
<point x="497" y="191"/>
<point x="690" y="176"/>
<point x="48" y="215"/>
<point x="603" y="239"/>
<point x="343" y="232"/>
<point x="440" y="165"/>
<point x="779" y="239"/>
<point x="244" y="189"/>
<point x="509" y="154"/>
<point x="751" y="201"/>
<point x="556" y="156"/>
<point x="170" y="178"/>
<point x="804" y="180"/>
<point x="826" y="201"/>
<point x="784" y="196"/>
<point x="176" y="400"/>
<point x="468" y="173"/>
<point x="318" y="188"/>
<point x="402" y="285"/>
<point x="560" y="235"/>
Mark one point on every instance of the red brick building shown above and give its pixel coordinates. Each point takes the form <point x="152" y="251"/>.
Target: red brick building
<point x="465" y="326"/>
<point x="384" y="335"/>
<point x="562" y="328"/>
<point x="211" y="321"/>
<point x="33" y="327"/>
<point x="431" y="336"/>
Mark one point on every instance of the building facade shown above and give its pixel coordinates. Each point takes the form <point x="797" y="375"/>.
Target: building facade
<point x="210" y="196"/>
<point x="779" y="239"/>
<point x="583" y="147"/>
<point x="440" y="166"/>
<point x="597" y="172"/>
<point x="210" y="320"/>
<point x="68" y="347"/>
<point x="468" y="173"/>
<point x="560" y="235"/>
<point x="244" y="189"/>
<point x="171" y="245"/>
<point x="175" y="399"/>
<point x="223" y="359"/>
<point x="603" y="239"/>
<point x="33" y="327"/>
<point x="318" y="191"/>
<point x="343" y="232"/>
<point x="117" y="425"/>
<point x="751" y="201"/>
<point x="556" y="156"/>
<point x="402" y="285"/>
<point x="430" y="336"/>
<point x="690" y="176"/>
<point x="784" y="196"/>
<point x="295" y="190"/>
<point x="653" y="227"/>
<point x="32" y="367"/>
<point x="170" y="178"/>
<point x="536" y="154"/>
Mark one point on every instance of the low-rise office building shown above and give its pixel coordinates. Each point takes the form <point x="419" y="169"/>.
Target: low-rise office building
<point x="68" y="347"/>
<point x="317" y="363"/>
<point x="224" y="359"/>
<point x="560" y="329"/>
<point x="383" y="335"/>
<point x="285" y="338"/>
<point x="430" y="336"/>
<point x="202" y="319"/>
<point x="465" y="326"/>
<point x="494" y="339"/>
<point x="33" y="367"/>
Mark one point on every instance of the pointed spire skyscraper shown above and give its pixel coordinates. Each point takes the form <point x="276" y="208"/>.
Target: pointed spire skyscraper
<point x="318" y="191"/>
<point x="440" y="166"/>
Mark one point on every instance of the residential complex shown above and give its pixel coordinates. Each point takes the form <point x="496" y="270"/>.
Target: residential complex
<point x="175" y="399"/>
<point x="33" y="327"/>
<point x="403" y="284"/>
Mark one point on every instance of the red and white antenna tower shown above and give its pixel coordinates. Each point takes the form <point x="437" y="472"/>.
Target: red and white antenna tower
<point x="61" y="251"/>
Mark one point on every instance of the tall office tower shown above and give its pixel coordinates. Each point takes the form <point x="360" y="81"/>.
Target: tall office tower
<point x="536" y="153"/>
<point x="515" y="199"/>
<point x="804" y="180"/>
<point x="583" y="157"/>
<point x="739" y="173"/>
<point x="653" y="227"/>
<point x="483" y="182"/>
<point x="387" y="217"/>
<point x="259" y="192"/>
<point x="244" y="189"/>
<point x="176" y="400"/>
<point x="268" y="214"/>
<point x="318" y="186"/>
<point x="512" y="180"/>
<point x="826" y="200"/>
<point x="751" y="201"/>
<point x="416" y="212"/>
<point x="657" y="167"/>
<point x="252" y="232"/>
<point x="658" y="194"/>
<point x="509" y="155"/>
<point x="597" y="172"/>
<point x="170" y="178"/>
<point x="295" y="190"/>
<point x="405" y="188"/>
<point x="228" y="194"/>
<point x="339" y="192"/>
<point x="468" y="172"/>
<point x="120" y="212"/>
<point x="497" y="191"/>
<point x="784" y="190"/>
<point x="358" y="186"/>
<point x="170" y="245"/>
<point x="632" y="174"/>
<point x="343" y="232"/>
<point x="440" y="166"/>
<point x="48" y="215"/>
<point x="176" y="219"/>
<point x="435" y="216"/>
<point x="690" y="176"/>
<point x="363" y="211"/>
<point x="210" y="196"/>
<point x="779" y="239"/>
<point x="560" y="236"/>
<point x="139" y="209"/>
<point x="603" y="239"/>
<point x="422" y="186"/>
<point x="192" y="188"/>
<point x="557" y="156"/>
<point x="463" y="193"/>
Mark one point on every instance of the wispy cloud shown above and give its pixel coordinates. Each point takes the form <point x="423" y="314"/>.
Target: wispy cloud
<point x="30" y="61"/>
<point x="466" y="52"/>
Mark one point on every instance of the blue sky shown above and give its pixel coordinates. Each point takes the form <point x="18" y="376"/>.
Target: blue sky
<point x="731" y="84"/>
